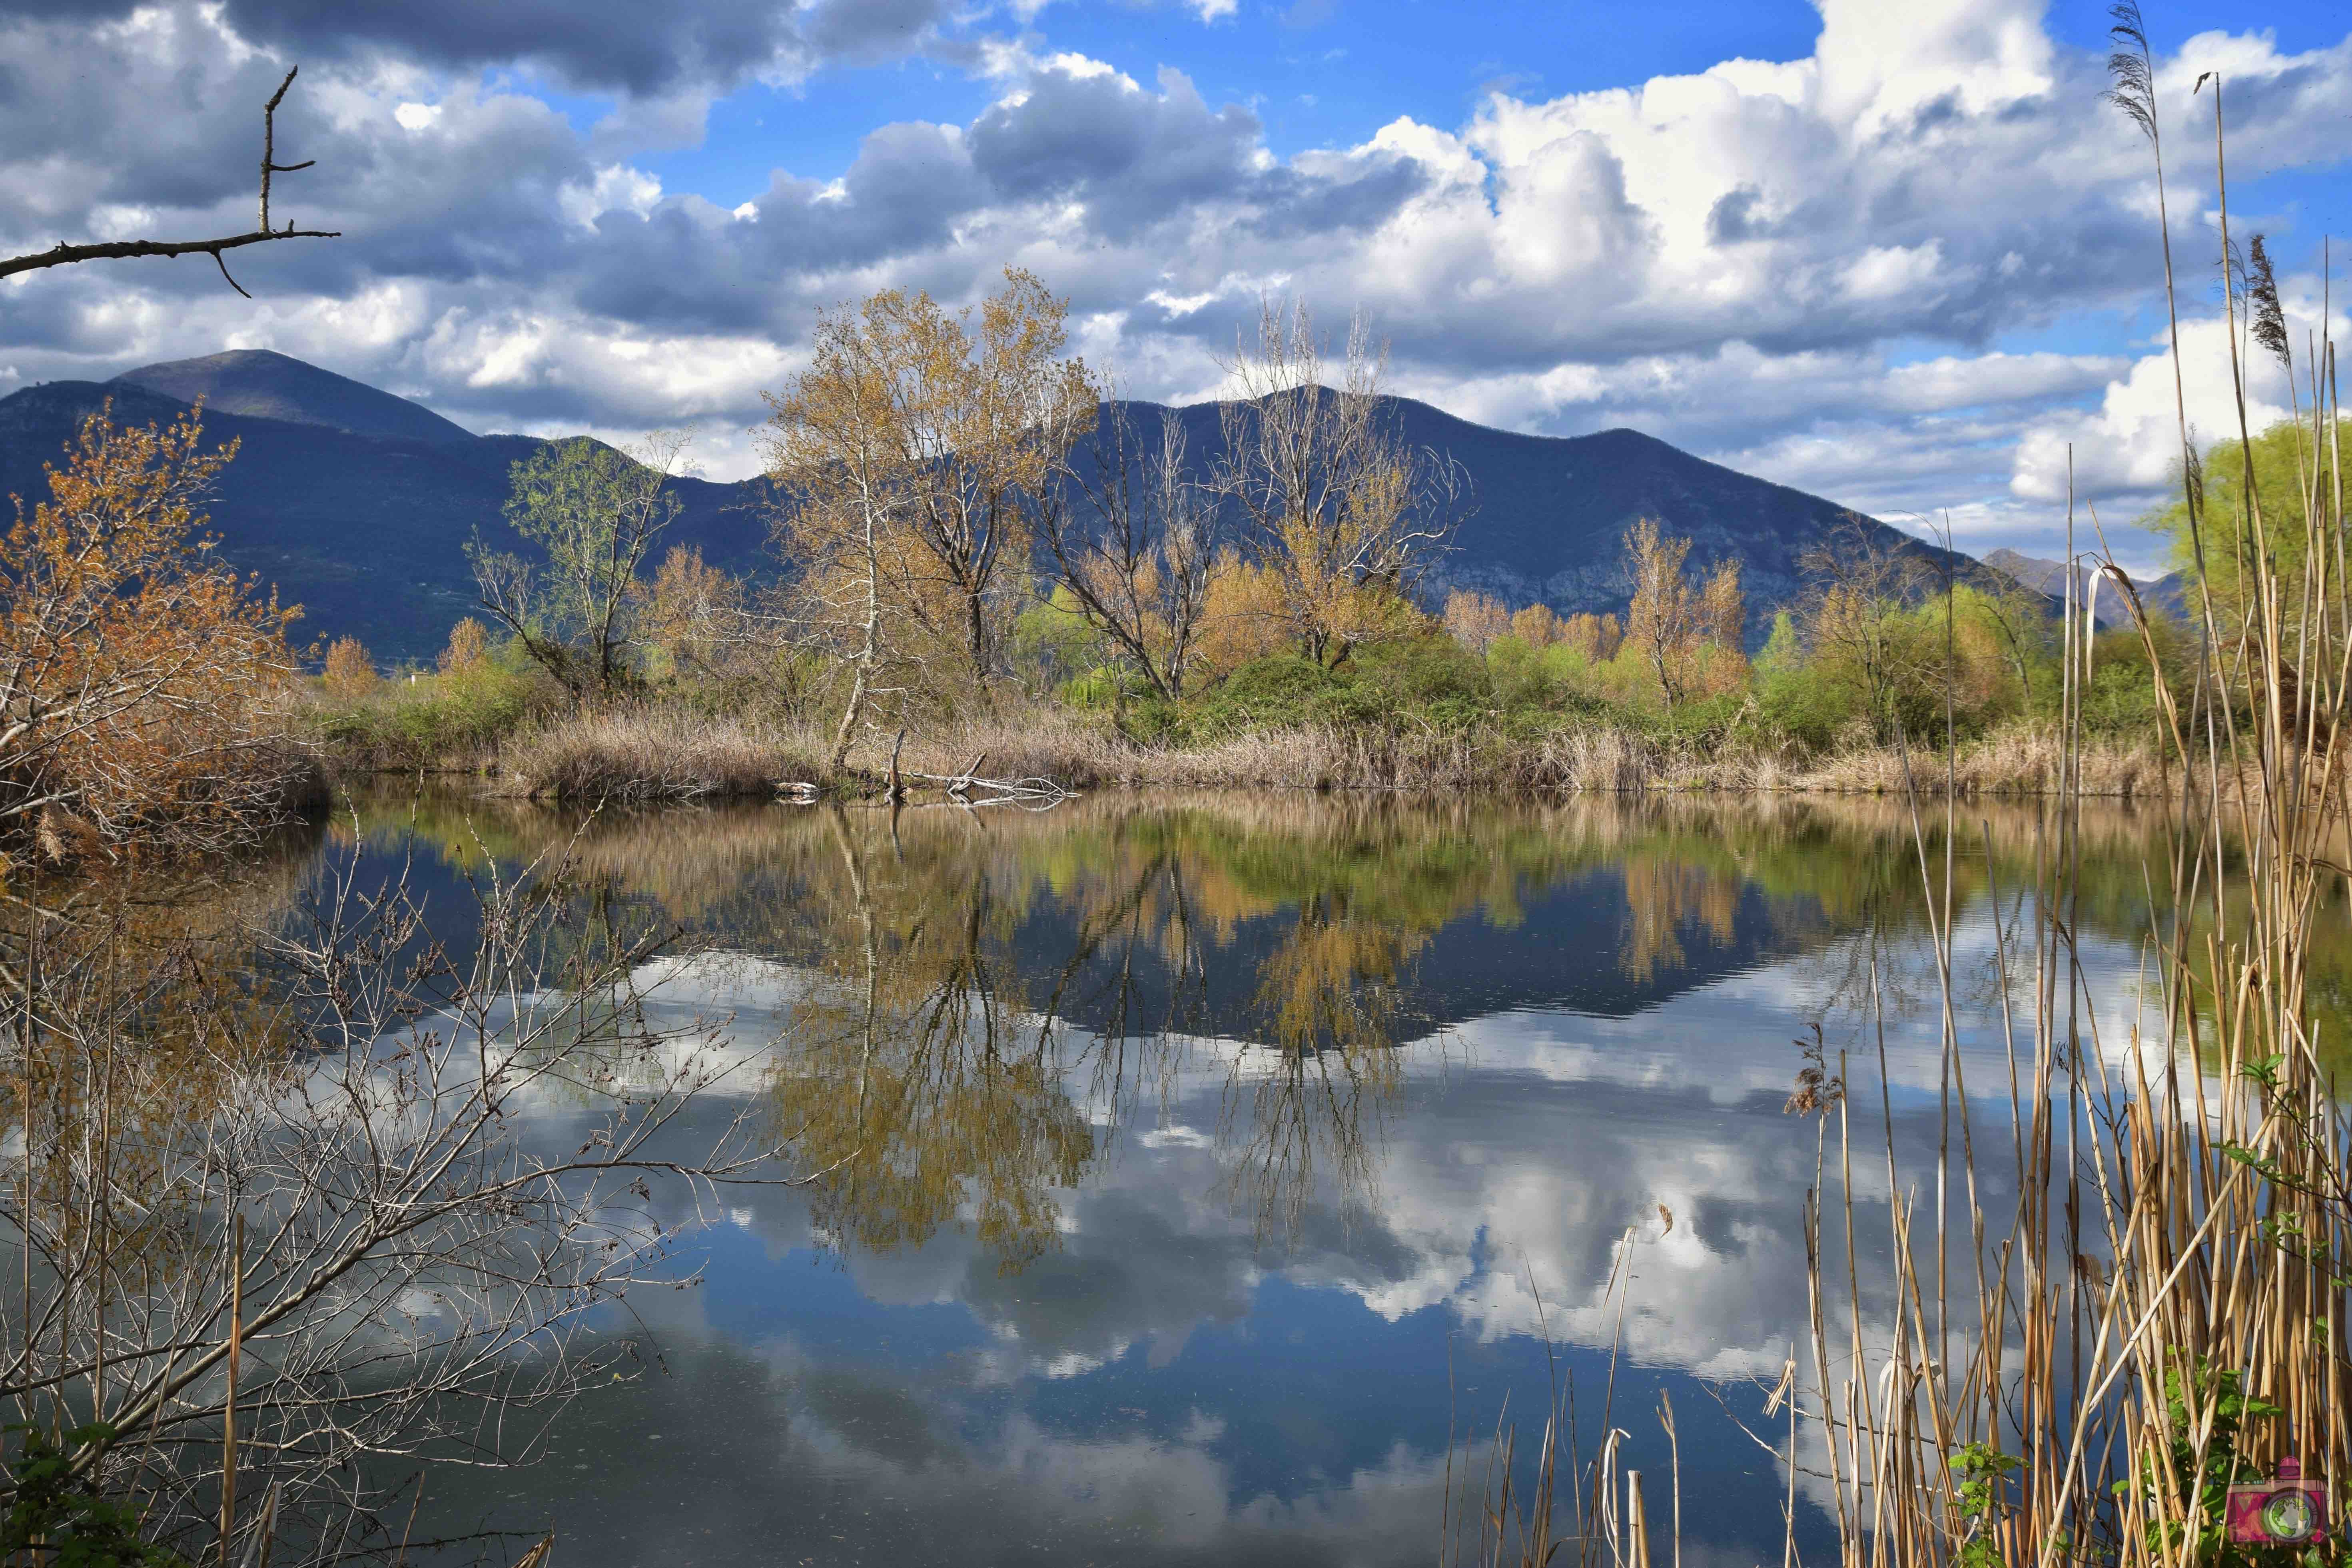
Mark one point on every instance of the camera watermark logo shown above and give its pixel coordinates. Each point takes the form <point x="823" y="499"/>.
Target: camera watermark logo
<point x="2285" y="1508"/>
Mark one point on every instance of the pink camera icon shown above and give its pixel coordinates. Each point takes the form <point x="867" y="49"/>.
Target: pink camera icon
<point x="2282" y="1510"/>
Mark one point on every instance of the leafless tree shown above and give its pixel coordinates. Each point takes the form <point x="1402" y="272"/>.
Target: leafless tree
<point x="1342" y="511"/>
<point x="61" y="254"/>
<point x="1133" y="539"/>
<point x="274" y="1251"/>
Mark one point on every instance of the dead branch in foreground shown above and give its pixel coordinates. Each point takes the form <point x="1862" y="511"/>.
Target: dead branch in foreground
<point x="307" y="1232"/>
<point x="61" y="254"/>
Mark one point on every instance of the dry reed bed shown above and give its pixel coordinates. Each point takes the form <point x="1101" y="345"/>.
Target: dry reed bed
<point x="2089" y="1370"/>
<point x="655" y="753"/>
<point x="652" y="753"/>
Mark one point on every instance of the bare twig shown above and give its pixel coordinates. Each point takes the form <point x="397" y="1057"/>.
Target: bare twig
<point x="62" y="254"/>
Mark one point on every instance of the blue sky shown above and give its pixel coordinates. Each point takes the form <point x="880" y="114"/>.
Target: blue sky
<point x="1900" y="256"/>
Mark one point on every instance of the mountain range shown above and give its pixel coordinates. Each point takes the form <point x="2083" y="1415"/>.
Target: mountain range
<point x="357" y="504"/>
<point x="2166" y="593"/>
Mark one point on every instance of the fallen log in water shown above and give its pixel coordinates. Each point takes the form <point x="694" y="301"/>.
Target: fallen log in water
<point x="960" y="788"/>
<point x="967" y="788"/>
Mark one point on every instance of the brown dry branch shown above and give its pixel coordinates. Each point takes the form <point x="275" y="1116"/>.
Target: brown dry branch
<point x="144" y="688"/>
<point x="1134" y="542"/>
<point x="419" y="1268"/>
<point x="62" y="254"/>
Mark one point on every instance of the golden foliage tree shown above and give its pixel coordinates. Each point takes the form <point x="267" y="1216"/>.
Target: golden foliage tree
<point x="1477" y="621"/>
<point x="911" y="453"/>
<point x="468" y="649"/>
<point x="1243" y="616"/>
<point x="1597" y="637"/>
<point x="1332" y="499"/>
<point x="142" y="683"/>
<point x="697" y="616"/>
<point x="1688" y="632"/>
<point x="351" y="674"/>
<point x="1537" y="626"/>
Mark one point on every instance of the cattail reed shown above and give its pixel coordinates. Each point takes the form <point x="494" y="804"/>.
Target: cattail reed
<point x="2160" y="1314"/>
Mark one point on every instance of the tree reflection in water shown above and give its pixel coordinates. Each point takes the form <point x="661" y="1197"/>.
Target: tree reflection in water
<point x="984" y="998"/>
<point x="976" y="1015"/>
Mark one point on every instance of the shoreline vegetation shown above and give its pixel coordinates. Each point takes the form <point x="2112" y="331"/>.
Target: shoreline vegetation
<point x="977" y="556"/>
<point x="660" y="753"/>
<point x="977" y="552"/>
<point x="2066" y="1345"/>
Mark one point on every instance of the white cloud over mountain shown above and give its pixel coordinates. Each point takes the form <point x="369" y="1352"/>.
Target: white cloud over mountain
<point x="1849" y="272"/>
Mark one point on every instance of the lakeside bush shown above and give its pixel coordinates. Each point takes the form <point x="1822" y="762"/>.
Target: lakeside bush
<point x="450" y="718"/>
<point x="146" y="698"/>
<point x="1420" y="713"/>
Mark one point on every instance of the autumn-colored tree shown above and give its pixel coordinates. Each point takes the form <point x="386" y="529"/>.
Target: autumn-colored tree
<point x="595" y="513"/>
<point x="909" y="455"/>
<point x="142" y="683"/>
<point x="1597" y="637"/>
<point x="697" y="618"/>
<point x="1689" y="632"/>
<point x="1475" y="620"/>
<point x="1244" y="615"/>
<point x="1537" y="626"/>
<point x="468" y="649"/>
<point x="351" y="674"/>
<point x="1330" y="498"/>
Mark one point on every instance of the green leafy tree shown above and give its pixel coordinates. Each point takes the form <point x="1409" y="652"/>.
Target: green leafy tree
<point x="2285" y="467"/>
<point x="595" y="515"/>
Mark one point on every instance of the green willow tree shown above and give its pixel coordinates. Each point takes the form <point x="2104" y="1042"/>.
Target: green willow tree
<point x="594" y="513"/>
<point x="2287" y="461"/>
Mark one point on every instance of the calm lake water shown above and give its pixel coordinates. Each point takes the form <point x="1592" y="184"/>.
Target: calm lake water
<point x="1207" y="1166"/>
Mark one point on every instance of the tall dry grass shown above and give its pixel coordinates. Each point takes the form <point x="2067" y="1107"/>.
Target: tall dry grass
<point x="654" y="753"/>
<point x="2081" y="1373"/>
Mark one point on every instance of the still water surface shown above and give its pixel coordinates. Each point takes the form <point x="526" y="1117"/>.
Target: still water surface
<point x="1198" y="1167"/>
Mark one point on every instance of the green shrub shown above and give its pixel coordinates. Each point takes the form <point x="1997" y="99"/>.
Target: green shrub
<point x="435" y="720"/>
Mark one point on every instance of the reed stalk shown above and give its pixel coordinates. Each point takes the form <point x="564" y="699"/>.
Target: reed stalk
<point x="2159" y="1314"/>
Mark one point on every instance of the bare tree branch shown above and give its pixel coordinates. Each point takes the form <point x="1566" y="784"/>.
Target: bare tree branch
<point x="61" y="254"/>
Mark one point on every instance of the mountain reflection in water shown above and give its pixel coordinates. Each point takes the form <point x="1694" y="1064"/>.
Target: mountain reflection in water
<point x="1194" y="1166"/>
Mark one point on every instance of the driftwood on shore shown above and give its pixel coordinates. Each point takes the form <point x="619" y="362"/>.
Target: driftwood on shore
<point x="967" y="788"/>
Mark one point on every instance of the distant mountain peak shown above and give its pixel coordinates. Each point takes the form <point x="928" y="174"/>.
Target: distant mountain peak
<point x="2049" y="577"/>
<point x="262" y="384"/>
